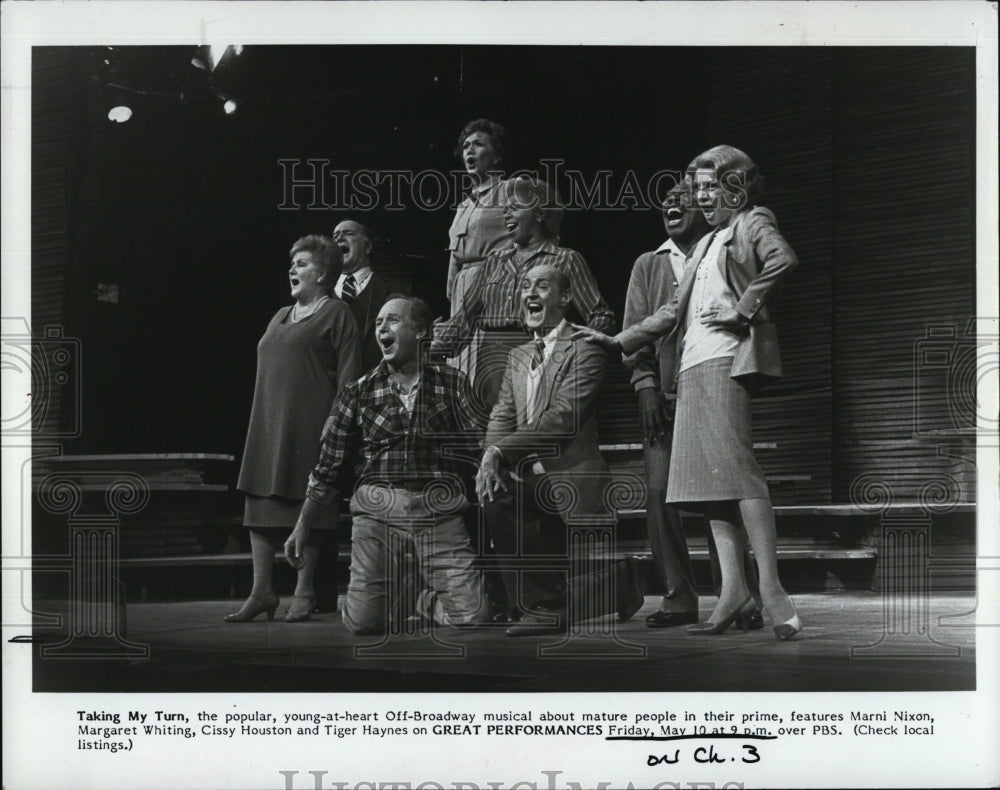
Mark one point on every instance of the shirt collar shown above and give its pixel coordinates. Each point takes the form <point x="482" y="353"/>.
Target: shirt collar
<point x="490" y="183"/>
<point x="550" y="339"/>
<point x="428" y="372"/>
<point x="479" y="191"/>
<point x="549" y="247"/>
<point x="361" y="278"/>
<point x="669" y="246"/>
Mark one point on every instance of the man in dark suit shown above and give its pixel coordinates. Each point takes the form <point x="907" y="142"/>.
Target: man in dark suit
<point x="542" y="467"/>
<point x="364" y="289"/>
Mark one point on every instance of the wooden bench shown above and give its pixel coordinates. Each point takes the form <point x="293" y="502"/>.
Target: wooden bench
<point x="831" y="546"/>
<point x="190" y="511"/>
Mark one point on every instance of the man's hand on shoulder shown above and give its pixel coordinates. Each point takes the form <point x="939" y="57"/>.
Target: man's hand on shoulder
<point x="607" y="342"/>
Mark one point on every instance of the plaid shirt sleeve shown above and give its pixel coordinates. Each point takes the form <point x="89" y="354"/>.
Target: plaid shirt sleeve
<point x="461" y="449"/>
<point x="337" y="448"/>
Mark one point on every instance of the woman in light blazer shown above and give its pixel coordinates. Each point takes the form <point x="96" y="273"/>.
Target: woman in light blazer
<point x="720" y="318"/>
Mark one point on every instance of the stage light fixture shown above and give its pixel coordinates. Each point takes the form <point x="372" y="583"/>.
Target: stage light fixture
<point x="229" y="107"/>
<point x="207" y="57"/>
<point x="120" y="102"/>
<point x="120" y="113"/>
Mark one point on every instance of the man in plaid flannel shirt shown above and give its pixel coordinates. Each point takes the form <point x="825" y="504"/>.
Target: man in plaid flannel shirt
<point x="409" y="428"/>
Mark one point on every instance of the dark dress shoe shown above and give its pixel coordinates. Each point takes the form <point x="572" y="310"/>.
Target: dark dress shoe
<point x="670" y="619"/>
<point x="537" y="622"/>
<point x="633" y="599"/>
<point x="751" y="621"/>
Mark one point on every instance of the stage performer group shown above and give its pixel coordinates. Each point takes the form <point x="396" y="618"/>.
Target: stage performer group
<point x="465" y="448"/>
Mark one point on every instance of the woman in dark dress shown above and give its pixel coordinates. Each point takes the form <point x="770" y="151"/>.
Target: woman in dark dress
<point x="308" y="353"/>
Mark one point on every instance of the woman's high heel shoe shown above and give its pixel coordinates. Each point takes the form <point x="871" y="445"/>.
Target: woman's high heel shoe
<point x="300" y="609"/>
<point x="710" y="629"/>
<point x="790" y="627"/>
<point x="787" y="630"/>
<point x="252" y="607"/>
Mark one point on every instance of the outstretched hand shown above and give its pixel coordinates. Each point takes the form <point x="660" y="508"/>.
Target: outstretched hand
<point x="597" y="338"/>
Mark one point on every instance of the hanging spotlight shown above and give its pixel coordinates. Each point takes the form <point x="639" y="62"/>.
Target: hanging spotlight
<point x="119" y="102"/>
<point x="230" y="102"/>
<point x="217" y="52"/>
<point x="202" y="58"/>
<point x="207" y="57"/>
<point x="120" y="113"/>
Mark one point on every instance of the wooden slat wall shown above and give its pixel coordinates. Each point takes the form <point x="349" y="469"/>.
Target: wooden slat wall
<point x="53" y="116"/>
<point x="775" y="105"/>
<point x="66" y="235"/>
<point x="903" y="153"/>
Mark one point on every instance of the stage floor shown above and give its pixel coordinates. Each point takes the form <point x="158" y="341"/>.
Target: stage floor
<point x="845" y="646"/>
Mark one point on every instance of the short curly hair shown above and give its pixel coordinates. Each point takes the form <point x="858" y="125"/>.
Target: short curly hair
<point x="325" y="253"/>
<point x="527" y="192"/>
<point x="734" y="170"/>
<point x="496" y="132"/>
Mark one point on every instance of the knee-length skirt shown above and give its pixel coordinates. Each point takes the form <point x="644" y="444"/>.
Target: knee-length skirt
<point x="280" y="513"/>
<point x="712" y="455"/>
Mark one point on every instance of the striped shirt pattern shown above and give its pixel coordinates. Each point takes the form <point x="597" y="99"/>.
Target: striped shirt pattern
<point x="494" y="302"/>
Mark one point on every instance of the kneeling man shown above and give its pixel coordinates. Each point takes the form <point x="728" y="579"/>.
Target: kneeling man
<point x="542" y="465"/>
<point x="407" y="423"/>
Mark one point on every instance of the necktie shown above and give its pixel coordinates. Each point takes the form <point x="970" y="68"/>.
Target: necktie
<point x="348" y="290"/>
<point x="536" y="379"/>
<point x="539" y="356"/>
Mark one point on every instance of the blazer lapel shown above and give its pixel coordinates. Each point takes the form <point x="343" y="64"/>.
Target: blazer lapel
<point x="558" y="361"/>
<point x="519" y="362"/>
<point x="725" y="239"/>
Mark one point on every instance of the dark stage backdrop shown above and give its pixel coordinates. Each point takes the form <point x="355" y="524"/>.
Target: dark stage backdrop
<point x="868" y="154"/>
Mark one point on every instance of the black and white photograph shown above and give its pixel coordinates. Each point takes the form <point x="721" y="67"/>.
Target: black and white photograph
<point x="500" y="395"/>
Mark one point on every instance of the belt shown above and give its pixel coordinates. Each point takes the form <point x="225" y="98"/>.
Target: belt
<point x="413" y="486"/>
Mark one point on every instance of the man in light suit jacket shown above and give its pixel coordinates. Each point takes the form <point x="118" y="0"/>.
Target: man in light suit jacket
<point x="542" y="466"/>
